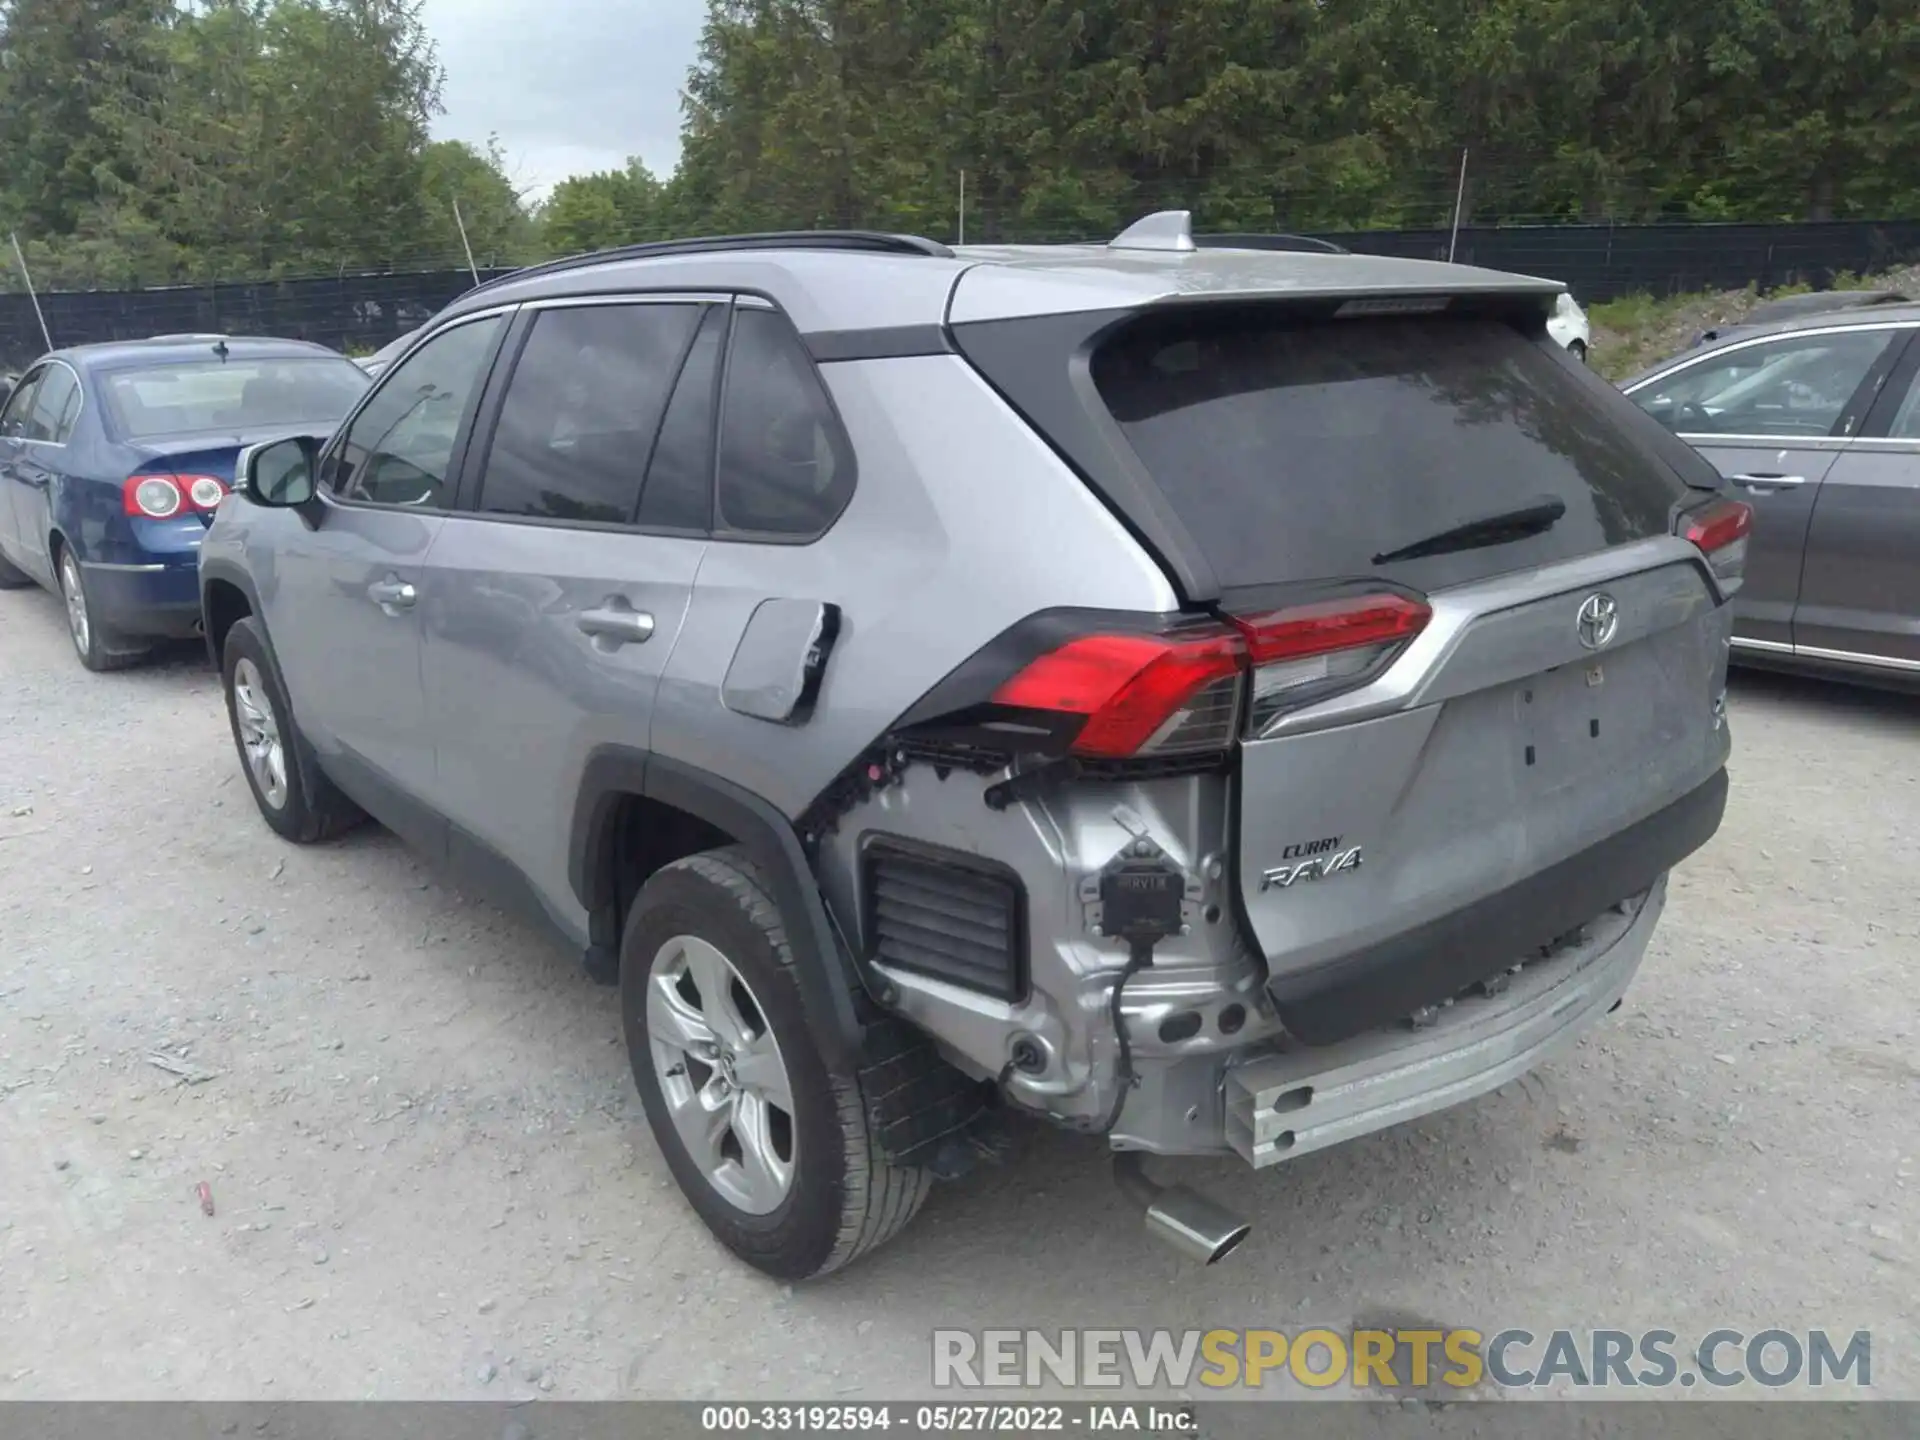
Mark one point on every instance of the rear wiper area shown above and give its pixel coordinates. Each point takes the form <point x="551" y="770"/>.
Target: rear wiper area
<point x="1509" y="525"/>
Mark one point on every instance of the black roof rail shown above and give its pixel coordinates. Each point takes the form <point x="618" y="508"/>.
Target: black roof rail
<point x="872" y="241"/>
<point x="1305" y="244"/>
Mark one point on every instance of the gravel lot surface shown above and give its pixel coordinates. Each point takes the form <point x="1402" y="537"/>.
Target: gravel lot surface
<point x="432" y="1179"/>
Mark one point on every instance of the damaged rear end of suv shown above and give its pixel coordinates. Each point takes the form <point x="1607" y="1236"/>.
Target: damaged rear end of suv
<point x="1381" y="811"/>
<point x="1222" y="698"/>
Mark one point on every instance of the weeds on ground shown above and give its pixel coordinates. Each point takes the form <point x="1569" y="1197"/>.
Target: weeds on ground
<point x="1637" y="331"/>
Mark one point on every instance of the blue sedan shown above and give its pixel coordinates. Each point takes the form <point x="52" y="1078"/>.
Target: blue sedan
<point x="114" y="457"/>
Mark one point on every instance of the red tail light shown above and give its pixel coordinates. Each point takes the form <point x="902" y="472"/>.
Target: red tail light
<point x="1132" y="688"/>
<point x="157" y="497"/>
<point x="160" y="497"/>
<point x="1720" y="530"/>
<point x="1147" y="694"/>
<point x="1330" y="625"/>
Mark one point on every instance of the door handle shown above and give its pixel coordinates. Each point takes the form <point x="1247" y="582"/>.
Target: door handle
<point x="1768" y="482"/>
<point x="392" y="595"/>
<point x="617" y="624"/>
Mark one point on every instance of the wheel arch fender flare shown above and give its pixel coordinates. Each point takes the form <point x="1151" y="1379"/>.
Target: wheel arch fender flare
<point x="825" y="974"/>
<point x="226" y="572"/>
<point x="302" y="751"/>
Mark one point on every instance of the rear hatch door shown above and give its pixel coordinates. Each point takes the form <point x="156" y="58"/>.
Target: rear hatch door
<point x="1417" y="817"/>
<point x="1500" y="785"/>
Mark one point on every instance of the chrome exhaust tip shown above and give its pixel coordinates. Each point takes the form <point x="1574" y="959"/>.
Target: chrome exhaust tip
<point x="1194" y="1225"/>
<point x="1185" y="1219"/>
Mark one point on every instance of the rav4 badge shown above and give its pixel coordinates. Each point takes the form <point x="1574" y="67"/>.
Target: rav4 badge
<point x="1318" y="868"/>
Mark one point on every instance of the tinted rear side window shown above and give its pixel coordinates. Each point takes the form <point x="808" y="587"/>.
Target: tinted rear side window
<point x="786" y="467"/>
<point x="1301" y="450"/>
<point x="582" y="409"/>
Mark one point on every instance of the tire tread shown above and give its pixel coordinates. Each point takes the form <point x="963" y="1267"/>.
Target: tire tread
<point x="325" y="813"/>
<point x="879" y="1197"/>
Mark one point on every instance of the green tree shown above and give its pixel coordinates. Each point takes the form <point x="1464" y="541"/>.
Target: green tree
<point x="156" y="140"/>
<point x="1813" y="105"/>
<point x="277" y="136"/>
<point x="1072" y="116"/>
<point x="610" y="207"/>
<point x="61" y="63"/>
<point x="499" y="227"/>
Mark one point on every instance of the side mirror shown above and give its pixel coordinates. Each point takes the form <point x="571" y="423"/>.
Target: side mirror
<point x="281" y="473"/>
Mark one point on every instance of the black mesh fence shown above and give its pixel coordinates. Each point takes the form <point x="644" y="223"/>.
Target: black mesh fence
<point x="1605" y="262"/>
<point x="352" y="313"/>
<point x="360" y="313"/>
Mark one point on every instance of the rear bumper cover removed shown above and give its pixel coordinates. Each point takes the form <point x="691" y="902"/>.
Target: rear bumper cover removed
<point x="1306" y="1099"/>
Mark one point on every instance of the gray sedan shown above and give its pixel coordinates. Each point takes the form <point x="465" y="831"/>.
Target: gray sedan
<point x="1815" y="422"/>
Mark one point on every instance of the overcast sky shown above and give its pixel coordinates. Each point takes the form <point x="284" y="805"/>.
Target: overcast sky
<point x="568" y="85"/>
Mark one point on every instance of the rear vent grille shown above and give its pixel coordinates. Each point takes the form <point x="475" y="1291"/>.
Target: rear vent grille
<point x="945" y="914"/>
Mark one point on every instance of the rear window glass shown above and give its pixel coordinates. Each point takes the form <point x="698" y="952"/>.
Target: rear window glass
<point x="232" y="395"/>
<point x="1310" y="449"/>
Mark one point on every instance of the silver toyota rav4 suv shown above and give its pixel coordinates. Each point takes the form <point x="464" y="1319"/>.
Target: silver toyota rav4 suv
<point x="1226" y="700"/>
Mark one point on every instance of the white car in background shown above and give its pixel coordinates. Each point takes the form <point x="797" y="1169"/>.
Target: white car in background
<point x="1568" y="326"/>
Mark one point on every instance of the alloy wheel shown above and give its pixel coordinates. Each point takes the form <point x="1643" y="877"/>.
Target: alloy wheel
<point x="721" y="1073"/>
<point x="79" y="625"/>
<point x="260" y="741"/>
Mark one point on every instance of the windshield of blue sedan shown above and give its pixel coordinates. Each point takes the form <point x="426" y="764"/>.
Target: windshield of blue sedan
<point x="198" y="396"/>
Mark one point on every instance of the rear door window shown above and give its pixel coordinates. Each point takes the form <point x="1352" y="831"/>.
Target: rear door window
<point x="679" y="490"/>
<point x="581" y="412"/>
<point x="1297" y="449"/>
<point x="1905" y="424"/>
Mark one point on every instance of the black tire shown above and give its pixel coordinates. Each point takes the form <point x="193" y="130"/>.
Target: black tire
<point x="845" y="1197"/>
<point x="12" y="577"/>
<point x="310" y="807"/>
<point x="99" y="648"/>
<point x="1578" y="349"/>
